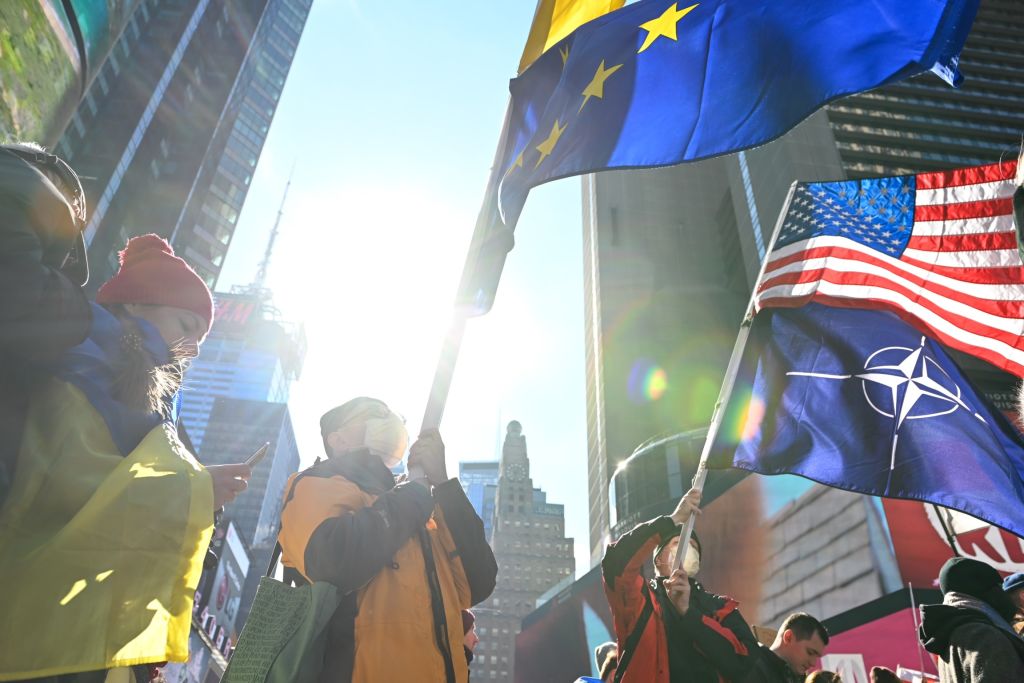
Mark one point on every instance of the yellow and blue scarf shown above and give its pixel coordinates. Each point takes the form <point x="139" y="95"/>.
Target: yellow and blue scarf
<point x="103" y="535"/>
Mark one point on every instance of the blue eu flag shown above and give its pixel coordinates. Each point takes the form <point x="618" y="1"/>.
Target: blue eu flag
<point x="659" y="83"/>
<point x="859" y="400"/>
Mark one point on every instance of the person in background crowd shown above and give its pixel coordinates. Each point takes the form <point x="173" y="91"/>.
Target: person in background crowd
<point x="798" y="647"/>
<point x="470" y="639"/>
<point x="43" y="310"/>
<point x="606" y="656"/>
<point x="880" y="674"/>
<point x="411" y="556"/>
<point x="824" y="677"/>
<point x="970" y="631"/>
<point x="1013" y="586"/>
<point x="670" y="629"/>
<point x="103" y="534"/>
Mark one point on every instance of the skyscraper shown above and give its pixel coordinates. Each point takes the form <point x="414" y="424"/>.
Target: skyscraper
<point x="480" y="482"/>
<point x="237" y="428"/>
<point x="207" y="223"/>
<point x="670" y="255"/>
<point x="532" y="552"/>
<point x="249" y="354"/>
<point x="171" y="117"/>
<point x="924" y="125"/>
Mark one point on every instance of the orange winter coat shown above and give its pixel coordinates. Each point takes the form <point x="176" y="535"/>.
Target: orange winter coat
<point x="406" y="561"/>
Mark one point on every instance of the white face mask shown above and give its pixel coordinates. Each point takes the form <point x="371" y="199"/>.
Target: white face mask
<point x="691" y="563"/>
<point x="387" y="438"/>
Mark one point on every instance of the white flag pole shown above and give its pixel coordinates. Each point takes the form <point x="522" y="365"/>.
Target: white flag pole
<point x="732" y="370"/>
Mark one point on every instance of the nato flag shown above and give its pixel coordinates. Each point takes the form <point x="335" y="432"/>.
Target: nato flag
<point x="859" y="400"/>
<point x="658" y="83"/>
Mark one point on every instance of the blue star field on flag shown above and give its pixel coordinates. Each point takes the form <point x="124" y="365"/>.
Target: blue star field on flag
<point x="876" y="212"/>
<point x="659" y="83"/>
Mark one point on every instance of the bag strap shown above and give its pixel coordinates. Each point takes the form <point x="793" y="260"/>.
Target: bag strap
<point x="274" y="557"/>
<point x="629" y="647"/>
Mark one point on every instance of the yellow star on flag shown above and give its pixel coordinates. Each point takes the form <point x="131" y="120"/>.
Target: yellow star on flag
<point x="518" y="163"/>
<point x="596" y="87"/>
<point x="564" y="52"/>
<point x="665" y="25"/>
<point x="545" y="148"/>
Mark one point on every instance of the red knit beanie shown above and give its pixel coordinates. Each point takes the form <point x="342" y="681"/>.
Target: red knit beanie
<point x="150" y="273"/>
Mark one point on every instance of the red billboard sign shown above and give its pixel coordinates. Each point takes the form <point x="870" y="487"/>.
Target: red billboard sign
<point x="922" y="544"/>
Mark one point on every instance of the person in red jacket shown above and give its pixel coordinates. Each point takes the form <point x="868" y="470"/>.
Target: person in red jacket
<point x="670" y="629"/>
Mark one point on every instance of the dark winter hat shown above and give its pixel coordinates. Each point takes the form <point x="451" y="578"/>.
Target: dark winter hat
<point x="336" y="417"/>
<point x="964" y="575"/>
<point x="468" y="619"/>
<point x="668" y="539"/>
<point x="150" y="273"/>
<point x="1013" y="582"/>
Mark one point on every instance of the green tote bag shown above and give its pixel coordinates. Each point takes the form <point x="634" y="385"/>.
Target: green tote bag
<point x="285" y="635"/>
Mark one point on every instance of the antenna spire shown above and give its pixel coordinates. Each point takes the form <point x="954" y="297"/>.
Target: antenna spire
<point x="259" y="284"/>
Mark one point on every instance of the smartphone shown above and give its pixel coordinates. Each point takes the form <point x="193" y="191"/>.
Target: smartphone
<point x="255" y="458"/>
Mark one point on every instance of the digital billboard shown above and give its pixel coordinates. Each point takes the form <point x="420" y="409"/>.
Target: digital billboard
<point x="49" y="53"/>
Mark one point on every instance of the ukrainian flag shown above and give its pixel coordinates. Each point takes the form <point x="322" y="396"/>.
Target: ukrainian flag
<point x="100" y="552"/>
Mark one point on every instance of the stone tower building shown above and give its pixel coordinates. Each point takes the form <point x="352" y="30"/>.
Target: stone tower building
<point x="533" y="555"/>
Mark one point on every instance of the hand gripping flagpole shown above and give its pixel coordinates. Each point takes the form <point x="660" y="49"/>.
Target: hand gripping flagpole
<point x="731" y="372"/>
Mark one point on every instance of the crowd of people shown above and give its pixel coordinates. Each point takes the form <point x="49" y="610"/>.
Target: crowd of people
<point x="671" y="629"/>
<point x="106" y="512"/>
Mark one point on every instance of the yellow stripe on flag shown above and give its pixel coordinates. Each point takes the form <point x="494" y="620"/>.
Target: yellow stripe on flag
<point x="101" y="553"/>
<point x="555" y="19"/>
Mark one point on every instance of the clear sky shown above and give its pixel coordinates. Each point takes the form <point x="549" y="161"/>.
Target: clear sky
<point x="391" y="115"/>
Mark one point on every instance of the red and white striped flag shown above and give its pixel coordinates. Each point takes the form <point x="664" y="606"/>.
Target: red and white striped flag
<point x="938" y="249"/>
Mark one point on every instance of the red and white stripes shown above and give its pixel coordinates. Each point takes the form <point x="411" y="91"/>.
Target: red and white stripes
<point x="960" y="278"/>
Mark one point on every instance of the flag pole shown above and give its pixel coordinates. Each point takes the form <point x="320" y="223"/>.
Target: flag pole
<point x="729" y="381"/>
<point x="485" y="239"/>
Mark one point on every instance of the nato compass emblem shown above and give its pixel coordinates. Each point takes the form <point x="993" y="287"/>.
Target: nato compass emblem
<point x="904" y="384"/>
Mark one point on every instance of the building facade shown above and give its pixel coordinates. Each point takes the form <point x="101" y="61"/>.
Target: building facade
<point x="169" y="110"/>
<point x="480" y="482"/>
<point x="207" y="222"/>
<point x="249" y="354"/>
<point x="671" y="255"/>
<point x="532" y="552"/>
<point x="237" y="428"/>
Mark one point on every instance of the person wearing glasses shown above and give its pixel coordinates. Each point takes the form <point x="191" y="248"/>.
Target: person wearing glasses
<point x="43" y="310"/>
<point x="407" y="557"/>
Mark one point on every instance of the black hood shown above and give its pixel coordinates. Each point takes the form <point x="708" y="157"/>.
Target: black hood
<point x="939" y="621"/>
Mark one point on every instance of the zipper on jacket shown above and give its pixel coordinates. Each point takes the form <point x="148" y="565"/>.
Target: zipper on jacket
<point x="437" y="603"/>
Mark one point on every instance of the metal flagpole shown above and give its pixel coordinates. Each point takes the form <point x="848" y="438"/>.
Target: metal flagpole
<point x="943" y="516"/>
<point x="732" y="370"/>
<point x="484" y="240"/>
<point x="913" y="612"/>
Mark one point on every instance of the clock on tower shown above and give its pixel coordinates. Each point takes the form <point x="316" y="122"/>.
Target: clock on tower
<point x="516" y="471"/>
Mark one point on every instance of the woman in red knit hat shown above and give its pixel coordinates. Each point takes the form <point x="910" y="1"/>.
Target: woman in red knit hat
<point x="103" y="536"/>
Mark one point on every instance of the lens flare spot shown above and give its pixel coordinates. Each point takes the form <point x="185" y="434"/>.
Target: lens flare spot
<point x="752" y="422"/>
<point x="656" y="384"/>
<point x="744" y="419"/>
<point x="648" y="381"/>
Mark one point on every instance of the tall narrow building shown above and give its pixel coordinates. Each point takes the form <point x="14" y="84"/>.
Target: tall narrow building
<point x="174" y="122"/>
<point x="480" y="482"/>
<point x="250" y="354"/>
<point x="532" y="552"/>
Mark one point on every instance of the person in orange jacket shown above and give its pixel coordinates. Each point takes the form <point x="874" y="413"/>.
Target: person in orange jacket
<point x="407" y="558"/>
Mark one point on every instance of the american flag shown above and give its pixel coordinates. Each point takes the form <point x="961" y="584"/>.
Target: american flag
<point x="938" y="249"/>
